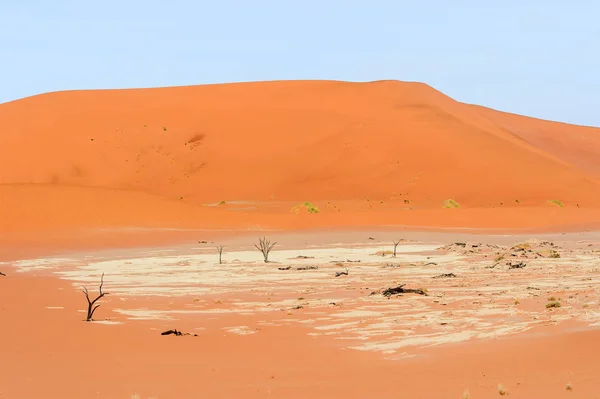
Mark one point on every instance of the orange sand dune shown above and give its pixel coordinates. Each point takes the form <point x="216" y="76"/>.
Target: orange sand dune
<point x="577" y="145"/>
<point x="153" y="157"/>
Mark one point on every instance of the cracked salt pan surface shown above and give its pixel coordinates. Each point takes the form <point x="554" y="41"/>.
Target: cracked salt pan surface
<point x="479" y="303"/>
<point x="177" y="275"/>
<point x="240" y="330"/>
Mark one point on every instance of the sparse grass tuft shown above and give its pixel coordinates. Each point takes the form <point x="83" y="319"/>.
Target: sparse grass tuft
<point x="553" y="304"/>
<point x="466" y="394"/>
<point x="552" y="298"/>
<point x="222" y="202"/>
<point x="450" y="204"/>
<point x="517" y="302"/>
<point x="556" y="203"/>
<point x="164" y="128"/>
<point x="499" y="258"/>
<point x="502" y="390"/>
<point x="309" y="207"/>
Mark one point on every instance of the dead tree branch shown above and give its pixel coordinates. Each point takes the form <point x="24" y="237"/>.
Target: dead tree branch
<point x="174" y="332"/>
<point x="265" y="246"/>
<point x="400" y="290"/>
<point x="91" y="304"/>
<point x="220" y="250"/>
<point x="2" y="274"/>
<point x="337" y="274"/>
<point x="446" y="275"/>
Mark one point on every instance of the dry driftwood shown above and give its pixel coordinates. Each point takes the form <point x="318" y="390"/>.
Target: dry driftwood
<point x="91" y="308"/>
<point x="2" y="274"/>
<point x="285" y="268"/>
<point x="401" y="290"/>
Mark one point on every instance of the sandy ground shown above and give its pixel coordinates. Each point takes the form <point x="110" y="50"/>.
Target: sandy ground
<point x="258" y="331"/>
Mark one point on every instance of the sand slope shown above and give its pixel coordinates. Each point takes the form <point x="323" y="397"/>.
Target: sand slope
<point x="162" y="153"/>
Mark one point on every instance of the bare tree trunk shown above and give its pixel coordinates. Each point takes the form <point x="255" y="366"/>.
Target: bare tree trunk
<point x="91" y="308"/>
<point x="265" y="246"/>
<point x="395" y="246"/>
<point x="220" y="250"/>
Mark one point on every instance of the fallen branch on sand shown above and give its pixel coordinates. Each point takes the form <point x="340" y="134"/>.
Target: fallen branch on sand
<point x="446" y="275"/>
<point x="307" y="268"/>
<point x="337" y="274"/>
<point x="176" y="332"/>
<point x="2" y="274"/>
<point x="401" y="290"/>
<point x="518" y="265"/>
<point x="311" y="267"/>
<point x="169" y="332"/>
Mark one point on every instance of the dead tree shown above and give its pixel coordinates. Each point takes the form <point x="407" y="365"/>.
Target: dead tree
<point x="91" y="308"/>
<point x="220" y="250"/>
<point x="265" y="246"/>
<point x="396" y="246"/>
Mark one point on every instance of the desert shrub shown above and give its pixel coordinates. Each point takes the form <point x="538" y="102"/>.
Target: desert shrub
<point x="309" y="207"/>
<point x="556" y="203"/>
<point x="553" y="304"/>
<point x="450" y="204"/>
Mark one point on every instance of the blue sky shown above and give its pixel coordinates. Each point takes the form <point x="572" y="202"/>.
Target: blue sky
<point x="533" y="57"/>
